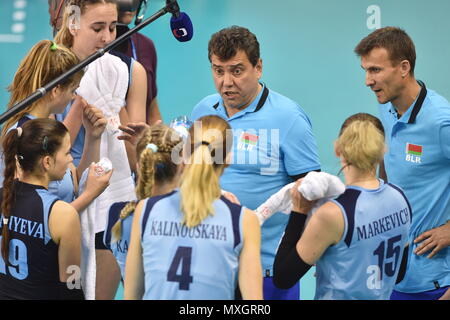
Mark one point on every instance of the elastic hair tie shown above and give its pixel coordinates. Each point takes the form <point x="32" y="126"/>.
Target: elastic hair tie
<point x="54" y="47"/>
<point x="160" y="166"/>
<point x="20" y="157"/>
<point x="19" y="131"/>
<point x="206" y="143"/>
<point x="5" y="221"/>
<point x="152" y="147"/>
<point x="45" y="143"/>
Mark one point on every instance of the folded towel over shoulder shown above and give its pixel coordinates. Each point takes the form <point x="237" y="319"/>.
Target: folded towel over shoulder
<point x="320" y="186"/>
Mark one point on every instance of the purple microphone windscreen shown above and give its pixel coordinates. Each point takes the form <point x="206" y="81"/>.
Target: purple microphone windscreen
<point x="182" y="27"/>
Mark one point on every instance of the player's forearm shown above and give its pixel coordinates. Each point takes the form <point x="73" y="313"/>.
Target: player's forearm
<point x="82" y="201"/>
<point x="91" y="153"/>
<point x="288" y="266"/>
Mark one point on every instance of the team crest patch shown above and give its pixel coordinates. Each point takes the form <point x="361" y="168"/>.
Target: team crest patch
<point x="247" y="141"/>
<point x="413" y="152"/>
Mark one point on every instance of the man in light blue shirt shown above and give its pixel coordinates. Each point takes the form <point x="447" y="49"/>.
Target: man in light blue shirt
<point x="273" y="143"/>
<point x="417" y="125"/>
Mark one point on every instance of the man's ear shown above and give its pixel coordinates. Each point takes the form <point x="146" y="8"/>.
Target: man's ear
<point x="259" y="68"/>
<point x="405" y="68"/>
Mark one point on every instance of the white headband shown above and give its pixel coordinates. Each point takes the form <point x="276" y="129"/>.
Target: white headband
<point x="152" y="147"/>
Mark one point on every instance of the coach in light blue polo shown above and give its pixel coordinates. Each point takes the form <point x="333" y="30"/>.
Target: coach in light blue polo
<point x="273" y="141"/>
<point x="419" y="161"/>
<point x="417" y="125"/>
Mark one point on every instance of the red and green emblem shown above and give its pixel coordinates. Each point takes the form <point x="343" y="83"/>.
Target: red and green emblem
<point x="249" y="138"/>
<point x="414" y="149"/>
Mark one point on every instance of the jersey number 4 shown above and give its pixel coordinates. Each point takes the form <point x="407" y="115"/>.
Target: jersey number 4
<point x="182" y="257"/>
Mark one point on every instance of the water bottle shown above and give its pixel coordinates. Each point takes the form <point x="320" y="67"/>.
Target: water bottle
<point x="103" y="166"/>
<point x="181" y="125"/>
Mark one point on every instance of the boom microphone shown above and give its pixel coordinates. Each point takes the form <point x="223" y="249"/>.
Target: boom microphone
<point x="181" y="27"/>
<point x="180" y="23"/>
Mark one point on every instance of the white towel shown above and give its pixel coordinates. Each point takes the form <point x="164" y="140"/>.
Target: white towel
<point x="88" y="263"/>
<point x="319" y="185"/>
<point x="315" y="186"/>
<point x="104" y="85"/>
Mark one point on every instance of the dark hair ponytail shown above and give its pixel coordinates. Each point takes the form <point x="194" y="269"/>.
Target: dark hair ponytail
<point x="24" y="147"/>
<point x="10" y="144"/>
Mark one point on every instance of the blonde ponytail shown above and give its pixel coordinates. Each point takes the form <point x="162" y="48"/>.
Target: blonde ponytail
<point x="200" y="180"/>
<point x="43" y="63"/>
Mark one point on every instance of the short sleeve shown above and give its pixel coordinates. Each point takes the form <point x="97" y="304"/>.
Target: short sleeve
<point x="196" y="113"/>
<point x="203" y="108"/>
<point x="299" y="147"/>
<point x="444" y="137"/>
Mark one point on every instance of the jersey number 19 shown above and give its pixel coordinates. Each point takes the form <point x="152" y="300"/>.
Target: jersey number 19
<point x="18" y="266"/>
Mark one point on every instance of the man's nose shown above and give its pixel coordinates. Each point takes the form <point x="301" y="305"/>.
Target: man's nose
<point x="369" y="80"/>
<point x="227" y="79"/>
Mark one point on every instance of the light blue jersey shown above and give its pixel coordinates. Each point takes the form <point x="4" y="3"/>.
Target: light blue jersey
<point x="364" y="264"/>
<point x="63" y="188"/>
<point x="119" y="248"/>
<point x="418" y="160"/>
<point x="272" y="141"/>
<point x="77" y="146"/>
<point x="182" y="263"/>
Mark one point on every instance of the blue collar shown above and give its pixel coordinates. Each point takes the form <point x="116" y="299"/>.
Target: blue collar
<point x="255" y="106"/>
<point x="411" y="113"/>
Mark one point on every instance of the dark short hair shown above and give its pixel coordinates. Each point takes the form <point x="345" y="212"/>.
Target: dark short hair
<point x="395" y="40"/>
<point x="225" y="44"/>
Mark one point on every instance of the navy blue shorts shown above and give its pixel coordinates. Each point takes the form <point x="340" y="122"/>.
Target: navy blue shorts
<point x="271" y="292"/>
<point x="99" y="244"/>
<point x="427" y="295"/>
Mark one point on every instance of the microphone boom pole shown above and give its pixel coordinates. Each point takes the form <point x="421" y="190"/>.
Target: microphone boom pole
<point x="171" y="7"/>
